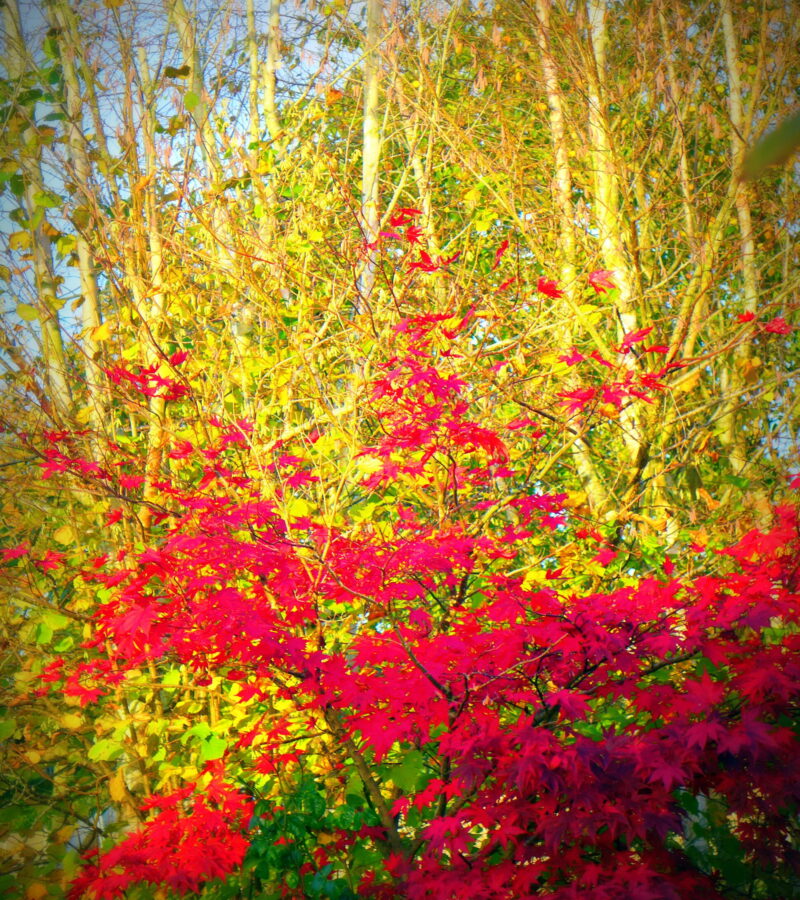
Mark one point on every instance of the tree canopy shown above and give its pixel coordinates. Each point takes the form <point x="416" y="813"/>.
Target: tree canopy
<point x="399" y="431"/>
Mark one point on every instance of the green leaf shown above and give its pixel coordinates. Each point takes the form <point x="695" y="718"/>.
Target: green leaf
<point x="66" y="243"/>
<point x="55" y="620"/>
<point x="355" y="786"/>
<point x="171" y="678"/>
<point x="105" y="750"/>
<point x="47" y="199"/>
<point x="774" y="148"/>
<point x="50" y="47"/>
<point x="44" y="634"/>
<point x="738" y="480"/>
<point x="406" y="774"/>
<point x="177" y="72"/>
<point x="7" y="728"/>
<point x="27" y="313"/>
<point x="213" y="747"/>
<point x="693" y="481"/>
<point x="202" y="730"/>
<point x="191" y="101"/>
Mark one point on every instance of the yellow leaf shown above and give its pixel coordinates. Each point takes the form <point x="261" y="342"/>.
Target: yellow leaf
<point x="332" y="95"/>
<point x="116" y="786"/>
<point x="750" y="369"/>
<point x="366" y="465"/>
<point x="591" y="313"/>
<point x="143" y="182"/>
<point x="102" y="332"/>
<point x="65" y="534"/>
<point x="71" y="721"/>
<point x="689" y="383"/>
<point x="298" y="508"/>
<point x="20" y="240"/>
<point x="609" y="410"/>
<point x="575" y="499"/>
<point x="36" y="891"/>
<point x="64" y="834"/>
<point x="26" y="312"/>
<point x="710" y="502"/>
<point x="533" y="577"/>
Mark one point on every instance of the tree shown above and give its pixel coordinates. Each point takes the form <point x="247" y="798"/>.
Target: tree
<point x="599" y="391"/>
<point x="409" y="696"/>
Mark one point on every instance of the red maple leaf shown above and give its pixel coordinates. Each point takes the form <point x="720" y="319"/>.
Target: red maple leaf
<point x="499" y="253"/>
<point x="425" y="263"/>
<point x="666" y="771"/>
<point x="440" y="829"/>
<point x="20" y="550"/>
<point x="572" y="358"/>
<point x="778" y="325"/>
<point x="606" y="556"/>
<point x="403" y="216"/>
<point x="634" y="337"/>
<point x="113" y="516"/>
<point x="131" y="482"/>
<point x="549" y="288"/>
<point x="51" y="560"/>
<point x="601" y="281"/>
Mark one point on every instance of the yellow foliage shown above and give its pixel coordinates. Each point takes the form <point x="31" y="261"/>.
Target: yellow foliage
<point x="65" y="534"/>
<point x="102" y="332"/>
<point x="116" y="786"/>
<point x="72" y="721"/>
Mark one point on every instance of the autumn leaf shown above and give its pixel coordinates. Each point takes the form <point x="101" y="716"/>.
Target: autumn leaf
<point x="549" y="288"/>
<point x="601" y="281"/>
<point x="498" y="255"/>
<point x="633" y="337"/>
<point x="778" y="325"/>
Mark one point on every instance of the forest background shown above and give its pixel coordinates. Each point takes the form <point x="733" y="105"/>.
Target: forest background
<point x="218" y="223"/>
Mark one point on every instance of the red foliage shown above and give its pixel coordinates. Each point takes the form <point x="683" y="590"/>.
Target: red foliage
<point x="191" y="839"/>
<point x="557" y="749"/>
<point x="601" y="281"/>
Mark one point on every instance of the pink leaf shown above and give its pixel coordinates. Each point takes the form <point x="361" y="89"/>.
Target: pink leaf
<point x="601" y="281"/>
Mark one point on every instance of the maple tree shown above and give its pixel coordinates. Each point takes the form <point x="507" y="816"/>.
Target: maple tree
<point x="422" y="702"/>
<point x="381" y="517"/>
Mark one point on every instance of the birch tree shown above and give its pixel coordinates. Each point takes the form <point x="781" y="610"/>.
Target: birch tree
<point x="38" y="242"/>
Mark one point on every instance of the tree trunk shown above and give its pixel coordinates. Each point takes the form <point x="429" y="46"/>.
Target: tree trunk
<point x="270" y="68"/>
<point x="562" y="188"/>
<point x="81" y="171"/>
<point x="41" y="250"/>
<point x="371" y="151"/>
<point x="731" y="425"/>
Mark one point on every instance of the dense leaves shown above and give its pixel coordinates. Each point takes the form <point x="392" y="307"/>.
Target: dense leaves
<point x="432" y="710"/>
<point x="388" y="402"/>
